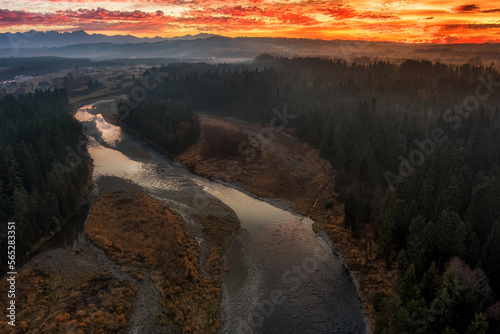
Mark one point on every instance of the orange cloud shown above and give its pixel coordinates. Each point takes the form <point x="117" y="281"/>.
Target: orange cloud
<point x="347" y="12"/>
<point x="466" y="8"/>
<point x="393" y="20"/>
<point x="463" y="27"/>
<point x="13" y="18"/>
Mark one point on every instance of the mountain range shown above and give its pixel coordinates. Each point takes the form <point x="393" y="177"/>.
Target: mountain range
<point x="216" y="48"/>
<point x="33" y="38"/>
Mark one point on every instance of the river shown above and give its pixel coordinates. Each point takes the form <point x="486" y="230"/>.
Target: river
<point x="282" y="277"/>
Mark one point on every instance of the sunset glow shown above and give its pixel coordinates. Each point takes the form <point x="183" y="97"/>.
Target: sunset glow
<point x="397" y="21"/>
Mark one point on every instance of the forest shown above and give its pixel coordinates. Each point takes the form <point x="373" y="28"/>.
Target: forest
<point x="416" y="147"/>
<point x="170" y="125"/>
<point x="44" y="166"/>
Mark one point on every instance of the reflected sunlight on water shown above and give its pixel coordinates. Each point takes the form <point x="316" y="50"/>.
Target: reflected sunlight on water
<point x="109" y="133"/>
<point x="112" y="162"/>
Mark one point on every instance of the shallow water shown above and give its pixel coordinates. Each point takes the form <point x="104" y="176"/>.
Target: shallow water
<point x="281" y="278"/>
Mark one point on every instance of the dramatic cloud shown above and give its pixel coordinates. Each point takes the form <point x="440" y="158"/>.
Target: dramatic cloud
<point x="347" y="12"/>
<point x="461" y="27"/>
<point x="394" y="20"/>
<point x="75" y="17"/>
<point x="496" y="10"/>
<point x="474" y="8"/>
<point x="466" y="8"/>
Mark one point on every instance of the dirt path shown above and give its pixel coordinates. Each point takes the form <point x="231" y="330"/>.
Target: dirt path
<point x="142" y="317"/>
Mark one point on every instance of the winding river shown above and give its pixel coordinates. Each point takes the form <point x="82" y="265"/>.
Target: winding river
<point x="281" y="278"/>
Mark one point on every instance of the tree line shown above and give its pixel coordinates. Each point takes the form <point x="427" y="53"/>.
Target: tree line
<point x="40" y="186"/>
<point x="170" y="125"/>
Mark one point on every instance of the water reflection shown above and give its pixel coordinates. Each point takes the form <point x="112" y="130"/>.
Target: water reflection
<point x="112" y="162"/>
<point x="97" y="127"/>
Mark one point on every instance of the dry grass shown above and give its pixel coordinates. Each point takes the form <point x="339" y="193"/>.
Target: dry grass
<point x="49" y="303"/>
<point x="135" y="229"/>
<point x="222" y="142"/>
<point x="133" y="272"/>
<point x="278" y="168"/>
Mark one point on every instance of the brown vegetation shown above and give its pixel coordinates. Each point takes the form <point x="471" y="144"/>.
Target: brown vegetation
<point x="222" y="142"/>
<point x="274" y="167"/>
<point x="137" y="230"/>
<point x="49" y="303"/>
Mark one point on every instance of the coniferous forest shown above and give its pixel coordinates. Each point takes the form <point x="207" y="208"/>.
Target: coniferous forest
<point x="44" y="166"/>
<point x="171" y="125"/>
<point x="416" y="147"/>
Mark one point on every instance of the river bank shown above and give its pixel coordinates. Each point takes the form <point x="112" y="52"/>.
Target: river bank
<point x="292" y="173"/>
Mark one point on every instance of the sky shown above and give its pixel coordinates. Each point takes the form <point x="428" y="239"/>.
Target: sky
<point x="435" y="21"/>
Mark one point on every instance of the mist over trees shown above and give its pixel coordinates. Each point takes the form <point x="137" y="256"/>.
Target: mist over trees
<point x="436" y="218"/>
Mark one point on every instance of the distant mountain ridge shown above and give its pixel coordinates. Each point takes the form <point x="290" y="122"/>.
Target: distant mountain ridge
<point x="216" y="48"/>
<point x="33" y="38"/>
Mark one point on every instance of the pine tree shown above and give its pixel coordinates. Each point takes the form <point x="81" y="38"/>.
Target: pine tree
<point x="430" y="282"/>
<point x="419" y="242"/>
<point x="408" y="288"/>
<point x="479" y="325"/>
<point x="491" y="256"/>
<point x="450" y="235"/>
